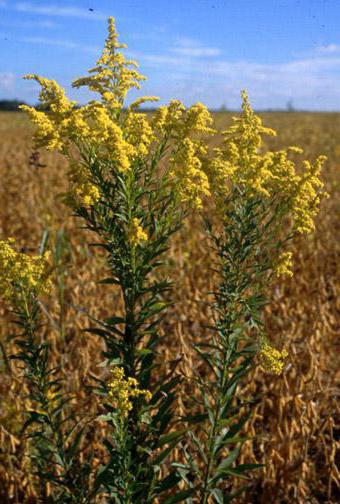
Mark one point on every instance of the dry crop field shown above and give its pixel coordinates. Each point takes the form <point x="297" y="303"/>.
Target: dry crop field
<point x="297" y="420"/>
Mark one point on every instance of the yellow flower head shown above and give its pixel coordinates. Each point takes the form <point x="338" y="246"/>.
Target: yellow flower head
<point x="121" y="141"/>
<point x="191" y="181"/>
<point x="136" y="234"/>
<point x="144" y="99"/>
<point x="182" y="123"/>
<point x="52" y="96"/>
<point x="139" y="133"/>
<point x="107" y="137"/>
<point x="284" y="265"/>
<point x="123" y="390"/>
<point x="51" y="125"/>
<point x="82" y="191"/>
<point x="159" y="118"/>
<point x="46" y="134"/>
<point x="270" y="175"/>
<point x="21" y="275"/>
<point x="197" y="119"/>
<point x="114" y="75"/>
<point x="272" y="359"/>
<point x="306" y="196"/>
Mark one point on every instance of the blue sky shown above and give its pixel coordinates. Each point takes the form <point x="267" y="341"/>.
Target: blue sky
<point x="194" y="50"/>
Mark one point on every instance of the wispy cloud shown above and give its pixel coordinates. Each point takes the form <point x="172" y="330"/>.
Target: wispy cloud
<point x="194" y="49"/>
<point x="67" y="44"/>
<point x="7" y="80"/>
<point x="315" y="80"/>
<point x="328" y="49"/>
<point x="30" y="24"/>
<point x="58" y="11"/>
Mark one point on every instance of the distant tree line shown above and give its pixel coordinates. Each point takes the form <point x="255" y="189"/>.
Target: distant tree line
<point x="10" y="105"/>
<point x="13" y="106"/>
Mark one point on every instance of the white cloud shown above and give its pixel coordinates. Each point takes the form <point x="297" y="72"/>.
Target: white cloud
<point x="68" y="44"/>
<point x="7" y="80"/>
<point x="30" y="24"/>
<point x="312" y="82"/>
<point x="197" y="52"/>
<point x="328" y="49"/>
<point x="57" y="10"/>
<point x="194" y="49"/>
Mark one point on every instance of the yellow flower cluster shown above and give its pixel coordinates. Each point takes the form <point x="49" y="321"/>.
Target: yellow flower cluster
<point x="272" y="359"/>
<point x="188" y="160"/>
<point x="136" y="234"/>
<point x="197" y="119"/>
<point x="122" y="390"/>
<point x="52" y="95"/>
<point x="307" y="195"/>
<point x="239" y="161"/>
<point x="284" y="265"/>
<point x="113" y="75"/>
<point x="138" y="133"/>
<point x="46" y="134"/>
<point x="107" y="137"/>
<point x="82" y="192"/>
<point x="120" y="140"/>
<point x="52" y="127"/>
<point x="191" y="181"/>
<point x="21" y="275"/>
<point x="270" y="174"/>
<point x="181" y="122"/>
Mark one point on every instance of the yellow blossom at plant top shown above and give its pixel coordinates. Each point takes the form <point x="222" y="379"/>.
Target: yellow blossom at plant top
<point x="143" y="99"/>
<point x="197" y="119"/>
<point x="272" y="359"/>
<point x="284" y="265"/>
<point x="182" y="122"/>
<point x="46" y="133"/>
<point x="123" y="390"/>
<point x="51" y="127"/>
<point x="120" y="141"/>
<point x="52" y="95"/>
<point x="136" y="234"/>
<point x="113" y="73"/>
<point x="21" y="275"/>
<point x="191" y="181"/>
<point x="239" y="160"/>
<point x="271" y="175"/>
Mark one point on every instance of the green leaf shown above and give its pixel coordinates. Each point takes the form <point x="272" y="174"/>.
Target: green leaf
<point x="228" y="461"/>
<point x="112" y="321"/>
<point x="163" y="454"/>
<point x="194" y="419"/>
<point x="109" y="281"/>
<point x="218" y="495"/>
<point x="168" y="482"/>
<point x="167" y="438"/>
<point x="180" y="496"/>
<point x="248" y="467"/>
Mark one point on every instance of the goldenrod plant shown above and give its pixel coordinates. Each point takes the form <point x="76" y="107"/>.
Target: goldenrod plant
<point x="53" y="447"/>
<point x="133" y="206"/>
<point x="133" y="178"/>
<point x="261" y="202"/>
